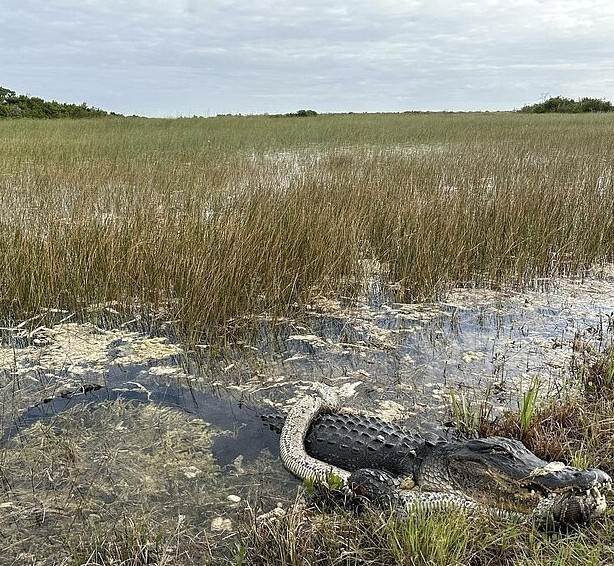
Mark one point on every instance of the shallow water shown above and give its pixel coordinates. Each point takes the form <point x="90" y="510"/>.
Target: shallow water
<point x="188" y="448"/>
<point x="401" y="361"/>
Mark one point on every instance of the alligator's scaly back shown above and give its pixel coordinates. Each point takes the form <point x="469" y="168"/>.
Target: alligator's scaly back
<point x="353" y="441"/>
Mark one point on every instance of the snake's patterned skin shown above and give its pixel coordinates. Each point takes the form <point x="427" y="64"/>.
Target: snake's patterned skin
<point x="291" y="444"/>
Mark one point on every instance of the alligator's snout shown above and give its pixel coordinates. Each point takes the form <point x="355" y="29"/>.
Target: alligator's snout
<point x="567" y="478"/>
<point x="576" y="496"/>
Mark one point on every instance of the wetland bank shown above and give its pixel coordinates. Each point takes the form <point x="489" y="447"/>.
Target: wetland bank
<point x="194" y="268"/>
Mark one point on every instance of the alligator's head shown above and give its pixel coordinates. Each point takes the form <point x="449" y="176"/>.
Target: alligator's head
<point x="502" y="473"/>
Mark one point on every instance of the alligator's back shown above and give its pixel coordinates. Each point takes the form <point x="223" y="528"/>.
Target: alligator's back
<point x="352" y="442"/>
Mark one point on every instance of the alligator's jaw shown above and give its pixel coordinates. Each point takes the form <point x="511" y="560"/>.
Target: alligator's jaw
<point x="558" y="500"/>
<point x="577" y="496"/>
<point x="503" y="474"/>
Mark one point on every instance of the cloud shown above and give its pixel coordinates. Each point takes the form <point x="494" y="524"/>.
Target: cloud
<point x="193" y="56"/>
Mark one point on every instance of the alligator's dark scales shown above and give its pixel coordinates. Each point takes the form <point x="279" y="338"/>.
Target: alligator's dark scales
<point x="334" y="439"/>
<point x="352" y="442"/>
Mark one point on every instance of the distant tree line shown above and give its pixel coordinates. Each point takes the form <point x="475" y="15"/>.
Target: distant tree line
<point x="302" y="113"/>
<point x="568" y="105"/>
<point x="14" y="105"/>
<point x="297" y="114"/>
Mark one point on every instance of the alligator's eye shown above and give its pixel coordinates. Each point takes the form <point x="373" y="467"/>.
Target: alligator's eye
<point x="499" y="450"/>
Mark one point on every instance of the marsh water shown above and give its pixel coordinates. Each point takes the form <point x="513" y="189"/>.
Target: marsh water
<point x="104" y="423"/>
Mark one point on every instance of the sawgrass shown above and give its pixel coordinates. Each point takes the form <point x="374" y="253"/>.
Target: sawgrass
<point x="207" y="223"/>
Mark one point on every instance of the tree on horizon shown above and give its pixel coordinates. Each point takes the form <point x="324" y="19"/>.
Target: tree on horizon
<point x="13" y="105"/>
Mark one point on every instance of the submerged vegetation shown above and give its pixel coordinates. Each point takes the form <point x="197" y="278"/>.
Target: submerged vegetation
<point x="216" y="220"/>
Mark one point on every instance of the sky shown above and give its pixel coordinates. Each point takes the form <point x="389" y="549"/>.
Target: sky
<point x="172" y="58"/>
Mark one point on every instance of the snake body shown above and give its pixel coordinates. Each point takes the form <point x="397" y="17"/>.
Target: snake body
<point x="291" y="443"/>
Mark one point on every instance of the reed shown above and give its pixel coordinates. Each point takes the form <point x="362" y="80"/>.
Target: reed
<point x="206" y="221"/>
<point x="527" y="408"/>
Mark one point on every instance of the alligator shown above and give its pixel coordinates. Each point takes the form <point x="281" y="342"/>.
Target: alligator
<point x="374" y="459"/>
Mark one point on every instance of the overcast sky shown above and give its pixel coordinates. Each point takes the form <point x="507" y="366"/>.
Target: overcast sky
<point x="185" y="57"/>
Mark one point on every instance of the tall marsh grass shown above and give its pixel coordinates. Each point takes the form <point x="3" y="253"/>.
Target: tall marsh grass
<point x="218" y="219"/>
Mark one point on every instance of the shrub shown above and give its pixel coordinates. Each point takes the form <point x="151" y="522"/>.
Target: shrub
<point x="561" y="104"/>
